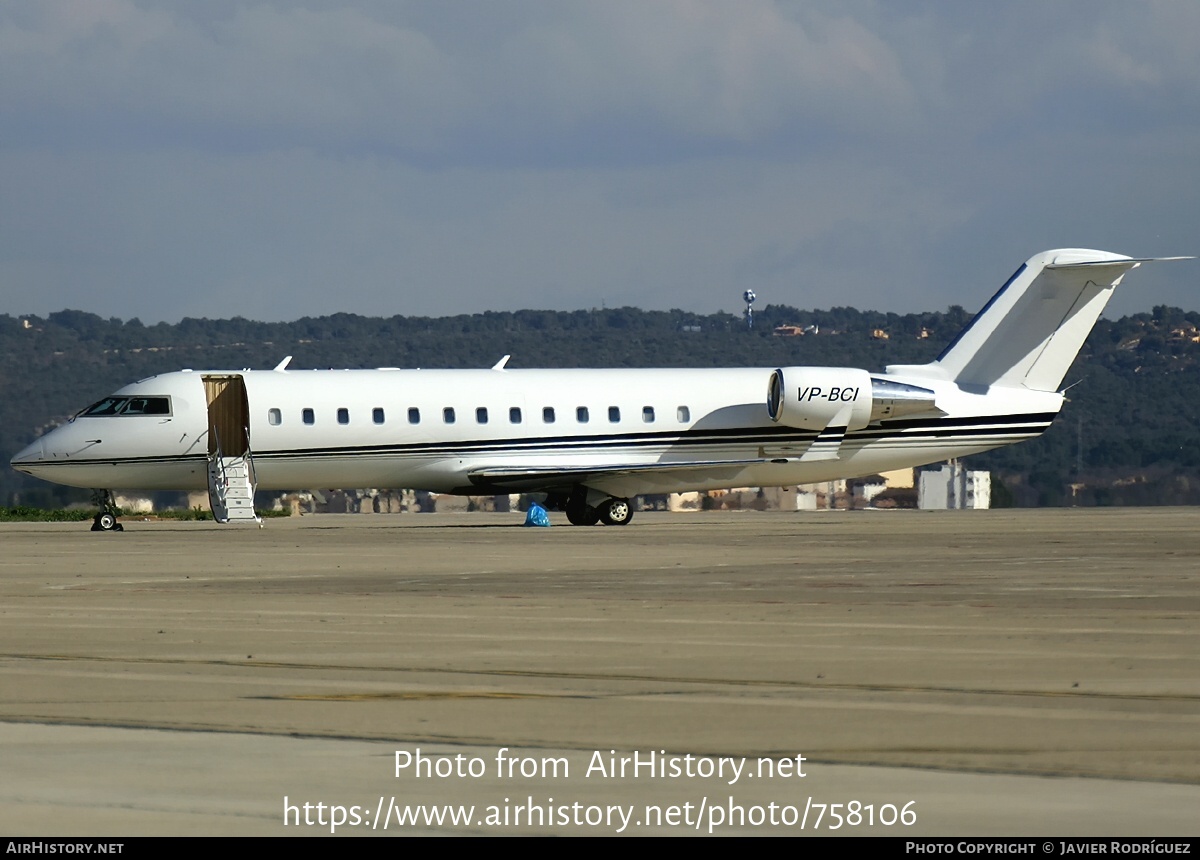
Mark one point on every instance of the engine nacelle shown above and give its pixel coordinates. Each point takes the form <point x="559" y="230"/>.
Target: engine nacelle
<point x="813" y="398"/>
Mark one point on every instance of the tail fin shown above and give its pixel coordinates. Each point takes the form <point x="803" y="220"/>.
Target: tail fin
<point x="1028" y="334"/>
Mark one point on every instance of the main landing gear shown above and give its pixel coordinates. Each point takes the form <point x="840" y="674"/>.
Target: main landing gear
<point x="580" y="513"/>
<point x="611" y="512"/>
<point x="106" y="520"/>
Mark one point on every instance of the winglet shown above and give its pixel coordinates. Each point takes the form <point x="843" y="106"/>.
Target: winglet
<point x="282" y="366"/>
<point x="499" y="365"/>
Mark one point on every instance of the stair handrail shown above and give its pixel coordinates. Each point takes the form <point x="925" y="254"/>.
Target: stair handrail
<point x="250" y="464"/>
<point x="216" y="458"/>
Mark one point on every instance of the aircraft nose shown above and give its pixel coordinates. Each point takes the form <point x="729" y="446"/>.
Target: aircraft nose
<point x="29" y="455"/>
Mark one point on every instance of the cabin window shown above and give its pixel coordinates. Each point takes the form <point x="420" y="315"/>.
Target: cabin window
<point x="414" y="415"/>
<point x="448" y="415"/>
<point x="548" y="414"/>
<point x="648" y="414"/>
<point x="683" y="415"/>
<point x="581" y="414"/>
<point x="614" y="414"/>
<point x="307" y="416"/>
<point x="274" y="417"/>
<point x="343" y="415"/>
<point x="514" y="414"/>
<point x="481" y="415"/>
<point x="377" y="415"/>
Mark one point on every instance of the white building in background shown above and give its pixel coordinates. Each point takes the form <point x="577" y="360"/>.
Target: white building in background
<point x="790" y="498"/>
<point x="864" y="490"/>
<point x="954" y="488"/>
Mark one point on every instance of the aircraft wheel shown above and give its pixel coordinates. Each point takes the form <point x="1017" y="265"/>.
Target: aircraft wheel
<point x="582" y="515"/>
<point x="616" y="512"/>
<point x="106" y="522"/>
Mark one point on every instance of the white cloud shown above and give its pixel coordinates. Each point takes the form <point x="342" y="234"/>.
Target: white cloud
<point x="278" y="159"/>
<point x="340" y="77"/>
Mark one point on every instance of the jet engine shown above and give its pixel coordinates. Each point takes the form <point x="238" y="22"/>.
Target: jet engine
<point x="813" y="398"/>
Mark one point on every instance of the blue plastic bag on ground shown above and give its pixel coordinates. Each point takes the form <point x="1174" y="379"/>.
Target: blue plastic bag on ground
<point x="537" y="516"/>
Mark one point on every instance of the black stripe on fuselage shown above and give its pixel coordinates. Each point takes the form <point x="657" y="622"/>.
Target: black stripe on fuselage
<point x="1005" y="428"/>
<point x="1017" y="426"/>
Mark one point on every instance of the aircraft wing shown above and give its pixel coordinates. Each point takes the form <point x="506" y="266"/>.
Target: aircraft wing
<point x="625" y="479"/>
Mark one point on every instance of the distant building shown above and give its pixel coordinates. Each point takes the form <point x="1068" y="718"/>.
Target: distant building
<point x="864" y="490"/>
<point x="899" y="477"/>
<point x="788" y="331"/>
<point x="790" y="498"/>
<point x="683" y="502"/>
<point x="952" y="487"/>
<point x="826" y="495"/>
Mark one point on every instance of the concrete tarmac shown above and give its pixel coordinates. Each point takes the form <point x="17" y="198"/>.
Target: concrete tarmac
<point x="1012" y="673"/>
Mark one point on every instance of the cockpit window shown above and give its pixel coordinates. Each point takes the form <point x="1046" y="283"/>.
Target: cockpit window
<point x="129" y="406"/>
<point x="147" y="406"/>
<point x="107" y="406"/>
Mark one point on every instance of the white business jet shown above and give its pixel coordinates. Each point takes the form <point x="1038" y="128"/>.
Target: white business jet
<point x="590" y="439"/>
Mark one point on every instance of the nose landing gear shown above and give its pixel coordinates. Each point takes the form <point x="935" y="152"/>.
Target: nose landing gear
<point x="106" y="519"/>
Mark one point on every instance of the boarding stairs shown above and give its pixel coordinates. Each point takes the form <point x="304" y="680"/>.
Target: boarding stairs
<point x="231" y="485"/>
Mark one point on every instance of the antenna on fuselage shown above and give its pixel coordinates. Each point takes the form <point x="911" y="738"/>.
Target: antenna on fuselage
<point x="282" y="366"/>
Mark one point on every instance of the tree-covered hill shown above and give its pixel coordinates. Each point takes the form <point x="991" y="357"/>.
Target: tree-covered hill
<point x="1131" y="433"/>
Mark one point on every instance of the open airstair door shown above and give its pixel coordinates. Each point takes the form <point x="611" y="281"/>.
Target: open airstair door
<point x="230" y="464"/>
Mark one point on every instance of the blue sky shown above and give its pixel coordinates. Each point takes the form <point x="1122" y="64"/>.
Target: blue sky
<point x="274" y="160"/>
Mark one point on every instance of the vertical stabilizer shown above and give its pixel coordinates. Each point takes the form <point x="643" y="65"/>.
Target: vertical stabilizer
<point x="1028" y="334"/>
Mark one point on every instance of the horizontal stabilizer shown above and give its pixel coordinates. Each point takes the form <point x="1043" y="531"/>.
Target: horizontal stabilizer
<point x="1085" y="263"/>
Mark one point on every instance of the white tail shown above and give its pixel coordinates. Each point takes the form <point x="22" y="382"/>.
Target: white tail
<point x="1028" y="334"/>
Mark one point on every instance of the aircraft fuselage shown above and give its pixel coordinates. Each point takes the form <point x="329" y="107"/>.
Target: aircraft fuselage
<point x="447" y="430"/>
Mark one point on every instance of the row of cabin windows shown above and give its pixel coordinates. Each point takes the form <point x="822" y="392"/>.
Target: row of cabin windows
<point x="582" y="415"/>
